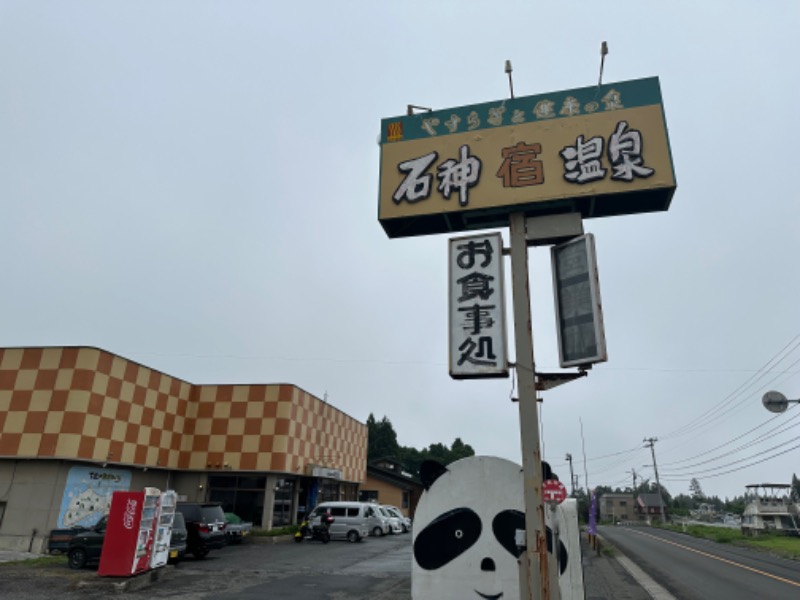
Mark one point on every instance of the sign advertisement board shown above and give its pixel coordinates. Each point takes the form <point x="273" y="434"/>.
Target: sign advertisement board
<point x="601" y="150"/>
<point x="478" y="347"/>
<point x="579" y="312"/>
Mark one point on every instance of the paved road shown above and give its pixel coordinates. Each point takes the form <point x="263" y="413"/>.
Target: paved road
<point x="376" y="569"/>
<point x="695" y="569"/>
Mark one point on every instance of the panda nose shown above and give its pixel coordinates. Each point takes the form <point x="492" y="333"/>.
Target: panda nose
<point x="487" y="564"/>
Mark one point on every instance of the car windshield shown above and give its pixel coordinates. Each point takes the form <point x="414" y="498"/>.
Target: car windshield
<point x="212" y="513"/>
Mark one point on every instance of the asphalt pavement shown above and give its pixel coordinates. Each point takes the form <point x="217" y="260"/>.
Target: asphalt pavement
<point x="605" y="578"/>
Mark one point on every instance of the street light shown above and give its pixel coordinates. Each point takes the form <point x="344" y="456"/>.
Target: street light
<point x="776" y="402"/>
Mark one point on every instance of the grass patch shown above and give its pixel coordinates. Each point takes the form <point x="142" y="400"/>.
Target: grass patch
<point x="608" y="550"/>
<point x="785" y="546"/>
<point x="780" y="545"/>
<point x="288" y="530"/>
<point x="46" y="560"/>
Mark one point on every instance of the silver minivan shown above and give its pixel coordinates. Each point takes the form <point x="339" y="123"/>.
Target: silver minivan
<point x="352" y="520"/>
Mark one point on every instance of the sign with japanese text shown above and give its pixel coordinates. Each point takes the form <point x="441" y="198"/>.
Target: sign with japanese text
<point x="601" y="150"/>
<point x="579" y="311"/>
<point x="478" y="346"/>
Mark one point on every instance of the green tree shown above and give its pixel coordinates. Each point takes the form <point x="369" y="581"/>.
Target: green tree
<point x="736" y="505"/>
<point x="382" y="443"/>
<point x="697" y="491"/>
<point x="682" y="504"/>
<point x="461" y="450"/>
<point x="382" y="439"/>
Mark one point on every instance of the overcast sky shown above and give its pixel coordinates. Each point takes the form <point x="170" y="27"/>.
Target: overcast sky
<point x="193" y="185"/>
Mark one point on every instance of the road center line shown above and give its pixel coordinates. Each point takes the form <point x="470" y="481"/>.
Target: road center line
<point x="719" y="558"/>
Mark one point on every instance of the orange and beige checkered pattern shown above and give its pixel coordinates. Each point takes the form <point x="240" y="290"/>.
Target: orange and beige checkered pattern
<point x="89" y="404"/>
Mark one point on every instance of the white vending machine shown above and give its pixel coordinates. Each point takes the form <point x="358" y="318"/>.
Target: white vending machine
<point x="163" y="531"/>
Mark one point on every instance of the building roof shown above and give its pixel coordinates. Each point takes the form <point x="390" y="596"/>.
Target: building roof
<point x="391" y="471"/>
<point x="650" y="500"/>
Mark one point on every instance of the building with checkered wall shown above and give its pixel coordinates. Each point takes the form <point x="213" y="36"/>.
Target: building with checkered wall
<point x="74" y="421"/>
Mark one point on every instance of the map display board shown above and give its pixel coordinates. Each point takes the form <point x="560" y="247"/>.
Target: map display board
<point x="87" y="494"/>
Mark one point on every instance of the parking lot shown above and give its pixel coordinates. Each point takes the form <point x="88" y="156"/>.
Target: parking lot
<point x="258" y="568"/>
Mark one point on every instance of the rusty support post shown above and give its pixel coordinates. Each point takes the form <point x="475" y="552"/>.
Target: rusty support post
<point x="534" y="576"/>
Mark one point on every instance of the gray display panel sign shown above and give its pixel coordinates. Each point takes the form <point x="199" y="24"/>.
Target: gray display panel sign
<point x="579" y="312"/>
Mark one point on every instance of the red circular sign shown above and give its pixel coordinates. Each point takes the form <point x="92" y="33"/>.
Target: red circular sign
<point x="554" y="491"/>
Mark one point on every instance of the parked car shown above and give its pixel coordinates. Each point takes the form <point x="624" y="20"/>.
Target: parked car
<point x="205" y="527"/>
<point x="177" y="542"/>
<point x="58" y="540"/>
<point x="86" y="547"/>
<point x="236" y="529"/>
<point x="378" y="522"/>
<point x="352" y="520"/>
<point x="394" y="523"/>
<point x="405" y="522"/>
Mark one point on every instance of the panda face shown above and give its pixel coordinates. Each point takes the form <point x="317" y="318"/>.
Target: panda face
<point x="465" y="532"/>
<point x="447" y="537"/>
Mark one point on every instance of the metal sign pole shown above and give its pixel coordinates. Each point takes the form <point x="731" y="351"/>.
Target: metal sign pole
<point x="534" y="577"/>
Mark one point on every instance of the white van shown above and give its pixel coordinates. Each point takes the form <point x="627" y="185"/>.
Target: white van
<point x="352" y="520"/>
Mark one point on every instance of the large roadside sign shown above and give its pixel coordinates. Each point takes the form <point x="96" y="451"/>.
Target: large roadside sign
<point x="600" y="151"/>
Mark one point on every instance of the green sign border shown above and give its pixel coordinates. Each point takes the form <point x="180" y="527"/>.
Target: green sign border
<point x="634" y="93"/>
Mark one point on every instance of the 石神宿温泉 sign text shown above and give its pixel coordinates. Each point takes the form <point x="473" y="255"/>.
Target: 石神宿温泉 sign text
<point x="601" y="150"/>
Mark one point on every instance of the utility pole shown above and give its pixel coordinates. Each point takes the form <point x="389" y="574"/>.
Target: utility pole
<point x="633" y="472"/>
<point x="651" y="442"/>
<point x="571" y="475"/>
<point x="534" y="574"/>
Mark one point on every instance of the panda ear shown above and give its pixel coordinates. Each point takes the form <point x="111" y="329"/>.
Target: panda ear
<point x="430" y="471"/>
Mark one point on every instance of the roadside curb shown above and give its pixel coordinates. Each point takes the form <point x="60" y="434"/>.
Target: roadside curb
<point x="647" y="583"/>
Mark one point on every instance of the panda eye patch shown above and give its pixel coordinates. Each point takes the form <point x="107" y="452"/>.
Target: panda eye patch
<point x="504" y="527"/>
<point x="446" y="537"/>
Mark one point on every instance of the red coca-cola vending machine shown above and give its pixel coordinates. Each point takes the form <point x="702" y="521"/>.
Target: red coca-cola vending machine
<point x="130" y="532"/>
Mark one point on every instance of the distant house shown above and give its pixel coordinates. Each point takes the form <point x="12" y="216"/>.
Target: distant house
<point x="388" y="483"/>
<point x="617" y="507"/>
<point x="648" y="505"/>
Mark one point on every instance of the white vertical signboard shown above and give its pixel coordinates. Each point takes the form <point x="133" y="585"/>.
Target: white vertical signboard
<point x="478" y="346"/>
<point x="579" y="312"/>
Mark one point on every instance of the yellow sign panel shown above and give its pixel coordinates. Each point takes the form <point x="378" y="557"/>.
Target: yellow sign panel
<point x="443" y="172"/>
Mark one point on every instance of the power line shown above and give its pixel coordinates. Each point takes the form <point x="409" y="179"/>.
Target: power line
<point x="779" y="429"/>
<point x="712" y="414"/>
<point x="758" y="462"/>
<point x="703" y="473"/>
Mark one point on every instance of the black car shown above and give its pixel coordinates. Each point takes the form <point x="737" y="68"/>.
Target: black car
<point x="177" y="543"/>
<point x="205" y="527"/>
<point x="58" y="540"/>
<point x="87" y="546"/>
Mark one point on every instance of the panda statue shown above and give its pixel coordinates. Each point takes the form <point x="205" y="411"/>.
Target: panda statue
<point x="465" y="533"/>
